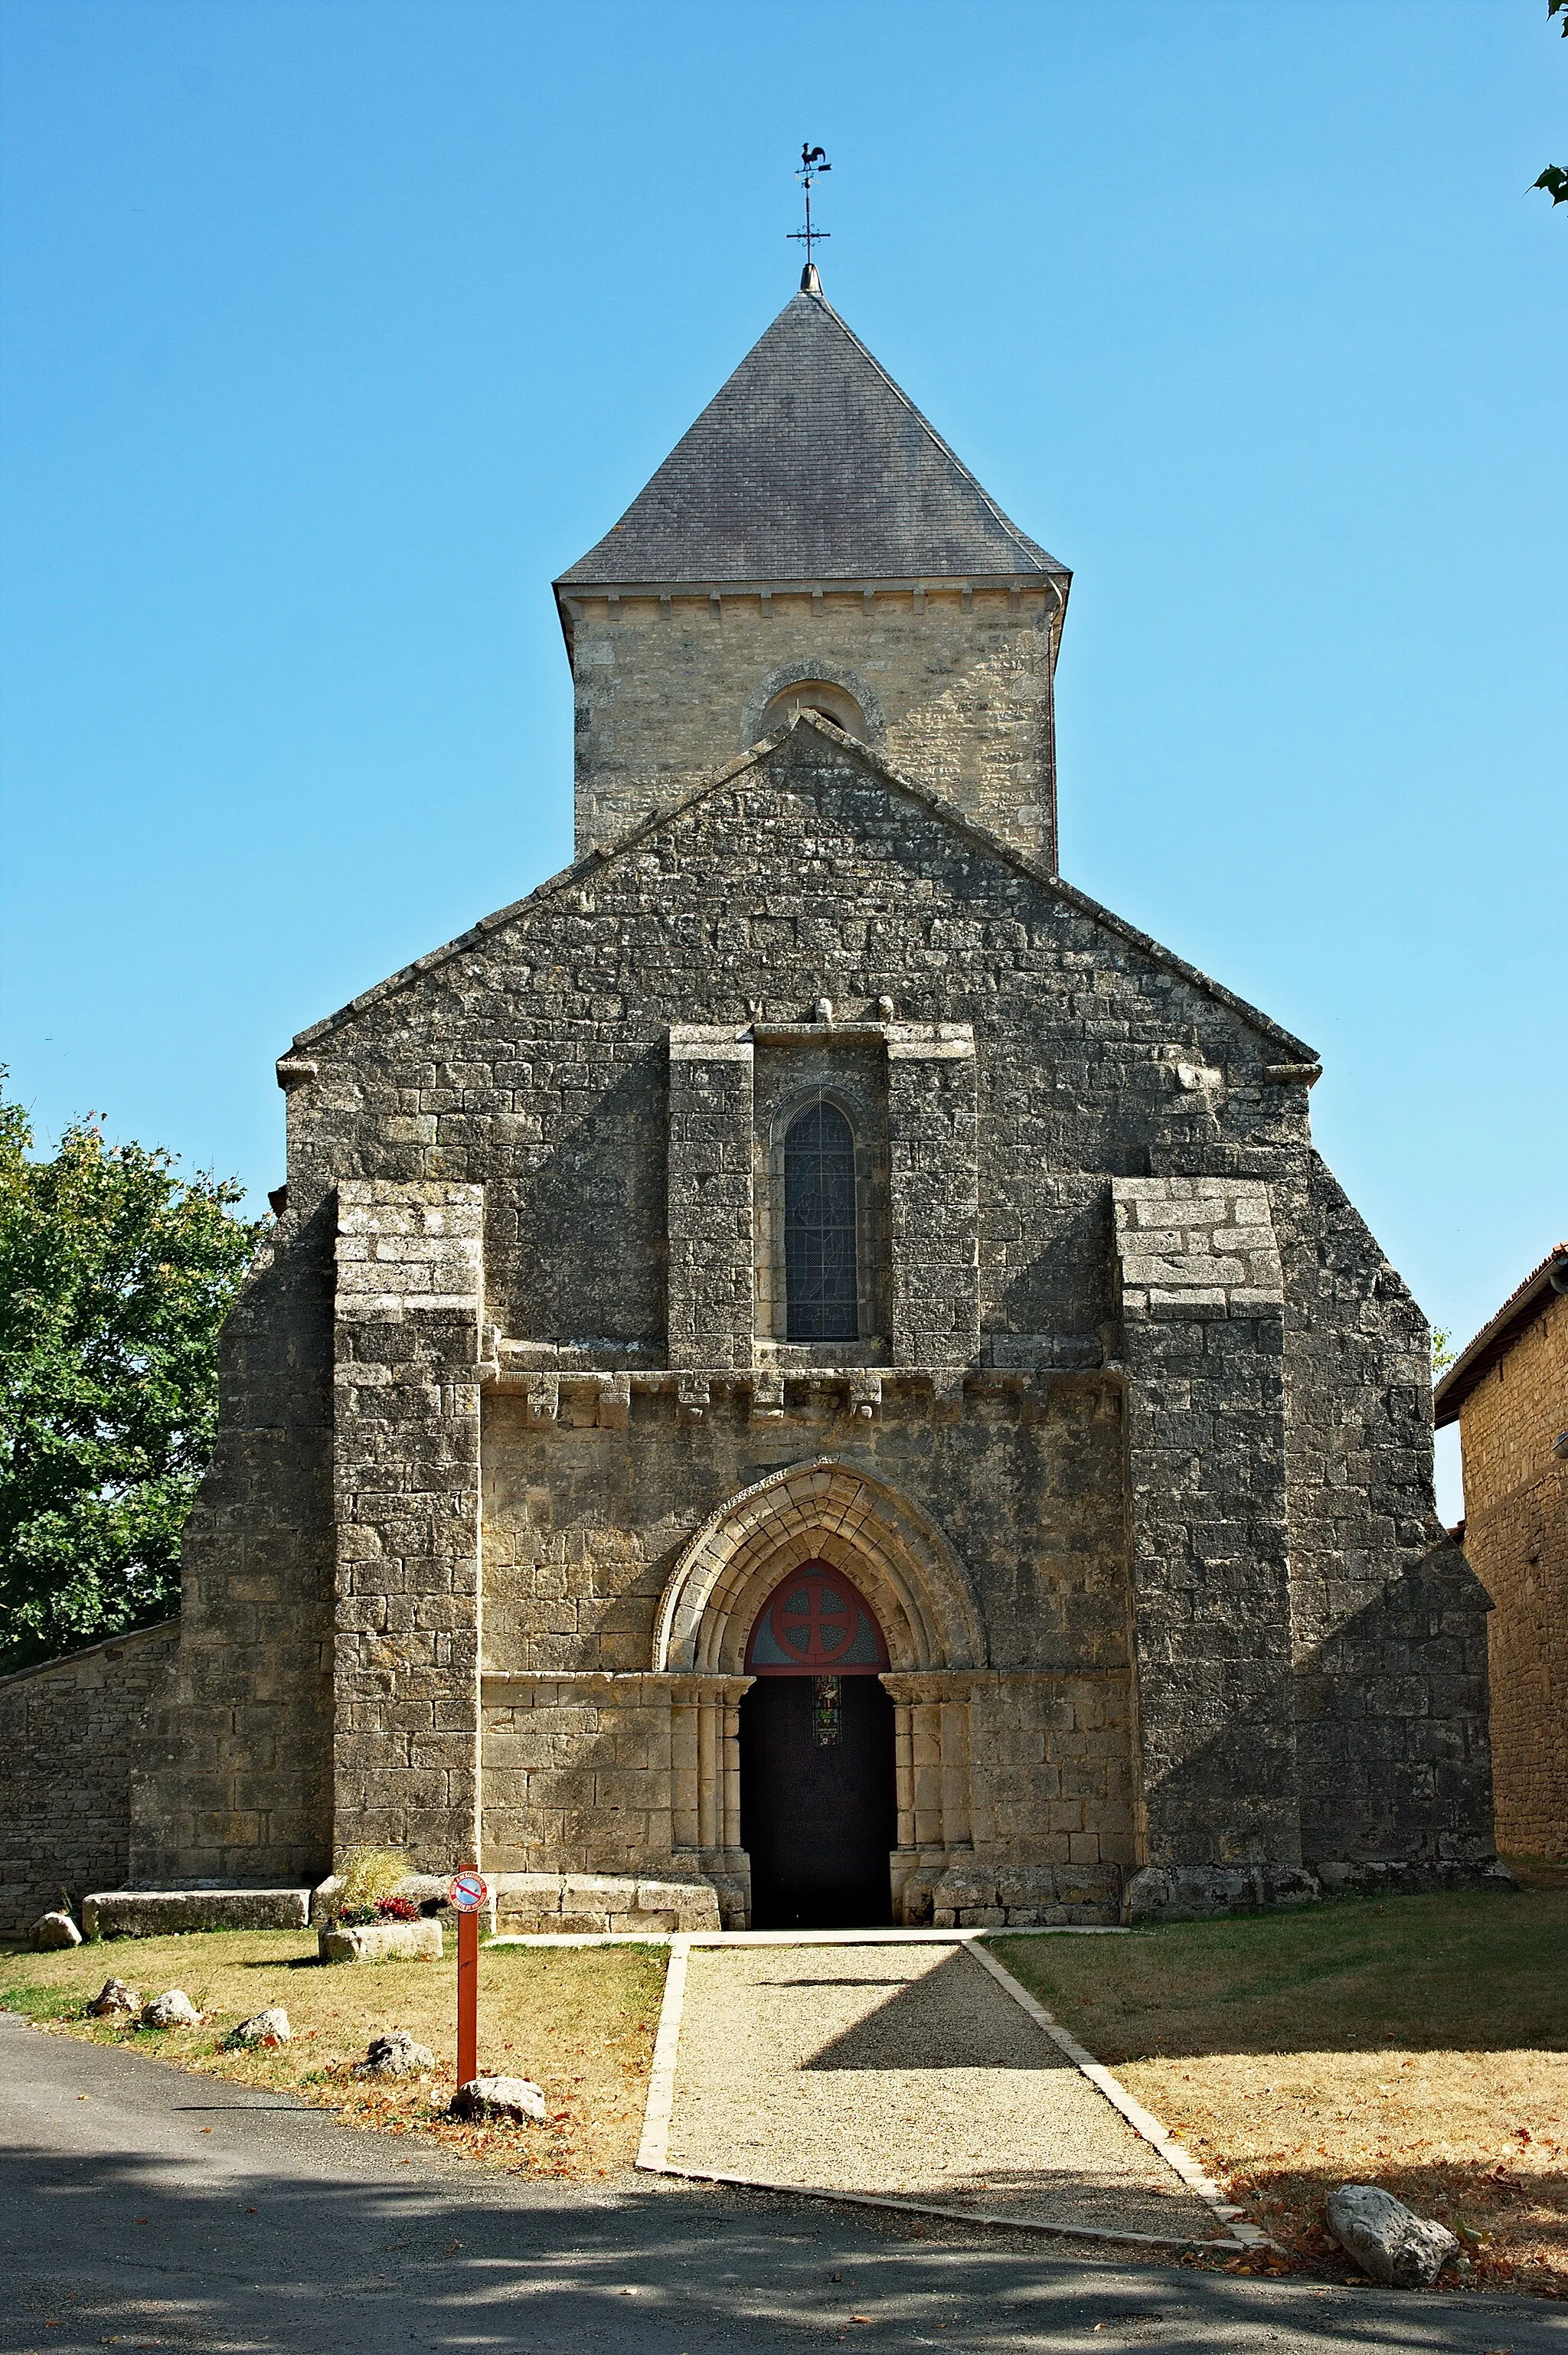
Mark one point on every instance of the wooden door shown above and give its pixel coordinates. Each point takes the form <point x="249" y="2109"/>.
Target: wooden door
<point x="819" y="1809"/>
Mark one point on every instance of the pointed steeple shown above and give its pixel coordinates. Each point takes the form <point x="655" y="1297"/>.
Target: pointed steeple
<point x="813" y="543"/>
<point x="811" y="464"/>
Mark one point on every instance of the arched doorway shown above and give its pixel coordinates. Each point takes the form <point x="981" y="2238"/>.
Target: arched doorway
<point x="818" y="1806"/>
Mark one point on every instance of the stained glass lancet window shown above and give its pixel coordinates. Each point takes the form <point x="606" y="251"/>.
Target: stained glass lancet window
<point x="819" y="1226"/>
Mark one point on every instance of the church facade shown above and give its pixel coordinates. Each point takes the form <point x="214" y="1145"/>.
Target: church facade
<point x="806" y="1359"/>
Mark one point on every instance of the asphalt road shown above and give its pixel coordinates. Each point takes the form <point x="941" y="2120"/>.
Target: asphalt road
<point x="169" y="2211"/>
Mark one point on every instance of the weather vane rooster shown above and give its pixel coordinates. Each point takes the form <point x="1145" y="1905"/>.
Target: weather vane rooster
<point x="813" y="163"/>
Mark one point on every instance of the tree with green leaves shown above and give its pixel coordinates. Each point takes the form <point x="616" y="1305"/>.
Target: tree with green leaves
<point x="1554" y="179"/>
<point x="115" y="1275"/>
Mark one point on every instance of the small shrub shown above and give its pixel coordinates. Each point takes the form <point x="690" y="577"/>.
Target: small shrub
<point x="367" y="1875"/>
<point x="396" y="1909"/>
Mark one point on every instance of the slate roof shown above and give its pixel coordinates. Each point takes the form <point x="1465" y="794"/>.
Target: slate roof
<point x="810" y="465"/>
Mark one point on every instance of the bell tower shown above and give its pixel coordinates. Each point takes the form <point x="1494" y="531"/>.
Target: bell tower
<point x="813" y="543"/>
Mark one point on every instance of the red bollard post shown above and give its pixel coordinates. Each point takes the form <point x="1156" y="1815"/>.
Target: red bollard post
<point x="467" y="1997"/>
<point x="467" y="1894"/>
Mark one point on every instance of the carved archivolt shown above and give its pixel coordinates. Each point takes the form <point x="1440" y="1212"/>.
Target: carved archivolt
<point x="820" y="1511"/>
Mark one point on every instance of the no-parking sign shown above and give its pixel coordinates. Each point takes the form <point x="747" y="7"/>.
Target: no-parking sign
<point x="467" y="1892"/>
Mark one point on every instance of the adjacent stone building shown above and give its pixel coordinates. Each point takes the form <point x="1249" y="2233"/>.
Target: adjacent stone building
<point x="806" y="1356"/>
<point x="1507" y="1391"/>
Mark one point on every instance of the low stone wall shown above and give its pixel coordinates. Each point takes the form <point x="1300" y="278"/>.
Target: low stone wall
<point x="166" y="1913"/>
<point x="992" y="1894"/>
<point x="557" y="1904"/>
<point x="72" y="1736"/>
<point x="563" y="1903"/>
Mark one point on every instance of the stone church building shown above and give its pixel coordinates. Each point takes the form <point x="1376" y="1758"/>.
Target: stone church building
<point x="806" y="1357"/>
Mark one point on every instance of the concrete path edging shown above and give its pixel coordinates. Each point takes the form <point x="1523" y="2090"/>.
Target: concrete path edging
<point x="653" y="2152"/>
<point x="952" y="2215"/>
<point x="653" y="2155"/>
<point x="1176" y="2155"/>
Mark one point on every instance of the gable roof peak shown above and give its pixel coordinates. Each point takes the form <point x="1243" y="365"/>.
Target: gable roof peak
<point x="810" y="463"/>
<point x="759" y="757"/>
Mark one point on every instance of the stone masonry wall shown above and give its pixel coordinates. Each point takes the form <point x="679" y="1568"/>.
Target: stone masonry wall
<point x="73" y="1735"/>
<point x="955" y="687"/>
<point x="1203" y="1303"/>
<point x="1516" y="1534"/>
<point x="239" y="1780"/>
<point x="1388" y="1619"/>
<point x="711" y="1213"/>
<point x="584" y="1525"/>
<point x="534" y="1057"/>
<point x="531" y="1059"/>
<point x="933" y="1197"/>
<point x="407" y="1481"/>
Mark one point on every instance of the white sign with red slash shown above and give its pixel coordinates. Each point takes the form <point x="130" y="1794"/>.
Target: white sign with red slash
<point x="467" y="1892"/>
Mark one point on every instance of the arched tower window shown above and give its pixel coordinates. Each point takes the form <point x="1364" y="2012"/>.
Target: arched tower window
<point x="815" y="694"/>
<point x="820" y="1277"/>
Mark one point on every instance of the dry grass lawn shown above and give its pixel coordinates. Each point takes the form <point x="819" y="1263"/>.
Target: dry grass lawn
<point x="579" y="2021"/>
<point x="1417" y="2042"/>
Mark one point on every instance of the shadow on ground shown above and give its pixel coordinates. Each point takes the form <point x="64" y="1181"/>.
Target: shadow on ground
<point x="106" y="2250"/>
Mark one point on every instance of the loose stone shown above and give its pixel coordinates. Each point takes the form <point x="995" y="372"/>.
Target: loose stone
<point x="1388" y="2240"/>
<point x="173" y="2008"/>
<point x="269" y="2027"/>
<point x="395" y="2054"/>
<point x="517" y="2098"/>
<point x="51" y="1929"/>
<point x="115" y="2001"/>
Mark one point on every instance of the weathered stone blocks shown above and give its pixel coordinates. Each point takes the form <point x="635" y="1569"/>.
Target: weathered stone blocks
<point x="409" y="1304"/>
<point x="381" y="1942"/>
<point x="1143" y="1379"/>
<point x="166" y="1913"/>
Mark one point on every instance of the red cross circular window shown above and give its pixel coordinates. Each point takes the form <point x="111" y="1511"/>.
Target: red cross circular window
<point x="815" y="1624"/>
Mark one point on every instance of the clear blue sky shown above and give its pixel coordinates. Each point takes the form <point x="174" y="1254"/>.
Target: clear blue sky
<point x="331" y="331"/>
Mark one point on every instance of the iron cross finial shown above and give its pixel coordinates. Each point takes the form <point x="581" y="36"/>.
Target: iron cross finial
<point x="813" y="163"/>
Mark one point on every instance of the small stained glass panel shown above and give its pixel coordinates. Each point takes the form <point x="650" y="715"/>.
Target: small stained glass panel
<point x="820" y="1284"/>
<point x="826" y="1711"/>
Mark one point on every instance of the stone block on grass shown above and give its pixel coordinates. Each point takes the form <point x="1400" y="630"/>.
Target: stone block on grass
<point x="381" y="1942"/>
<point x="168" y="1913"/>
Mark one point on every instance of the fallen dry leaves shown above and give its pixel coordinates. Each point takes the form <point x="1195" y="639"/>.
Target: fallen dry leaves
<point x="1477" y="2140"/>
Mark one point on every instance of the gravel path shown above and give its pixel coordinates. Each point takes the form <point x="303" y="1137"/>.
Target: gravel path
<point x="905" y="2070"/>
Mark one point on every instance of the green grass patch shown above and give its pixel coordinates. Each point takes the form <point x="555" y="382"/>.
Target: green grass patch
<point x="1477" y="1971"/>
<point x="38" y="2003"/>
